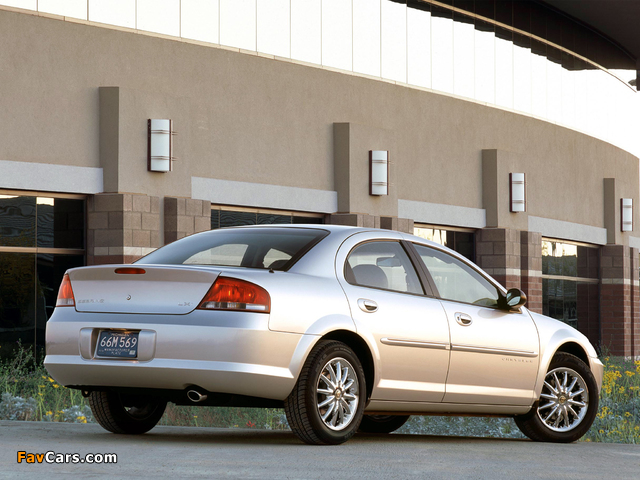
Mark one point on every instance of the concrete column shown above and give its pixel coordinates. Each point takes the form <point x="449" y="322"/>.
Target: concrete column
<point x="404" y="225"/>
<point x="498" y="253"/>
<point x="185" y="216"/>
<point x="121" y="227"/>
<point x="353" y="220"/>
<point x="635" y="303"/>
<point x="531" y="269"/>
<point x="616" y="303"/>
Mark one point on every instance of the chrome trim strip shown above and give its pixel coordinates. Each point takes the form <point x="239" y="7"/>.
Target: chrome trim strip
<point x="494" y="351"/>
<point x="414" y="343"/>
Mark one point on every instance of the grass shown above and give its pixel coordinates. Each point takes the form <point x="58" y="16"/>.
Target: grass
<point x="29" y="393"/>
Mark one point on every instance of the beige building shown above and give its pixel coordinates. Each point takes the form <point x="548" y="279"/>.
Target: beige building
<point x="278" y="107"/>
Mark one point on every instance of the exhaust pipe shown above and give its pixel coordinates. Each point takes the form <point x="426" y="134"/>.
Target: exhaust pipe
<point x="195" y="396"/>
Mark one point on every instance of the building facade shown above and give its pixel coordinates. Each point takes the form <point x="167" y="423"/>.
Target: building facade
<point x="276" y="106"/>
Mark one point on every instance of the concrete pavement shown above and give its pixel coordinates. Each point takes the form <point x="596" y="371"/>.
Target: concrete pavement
<point x="191" y="452"/>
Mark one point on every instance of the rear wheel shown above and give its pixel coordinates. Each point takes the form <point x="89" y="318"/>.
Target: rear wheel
<point x="568" y="403"/>
<point x="326" y="405"/>
<point x="382" y="423"/>
<point x="132" y="414"/>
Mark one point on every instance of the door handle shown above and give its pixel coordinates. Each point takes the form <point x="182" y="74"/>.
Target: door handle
<point x="368" y="306"/>
<point x="463" y="319"/>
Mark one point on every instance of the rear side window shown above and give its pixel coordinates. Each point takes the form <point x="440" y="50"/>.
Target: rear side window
<point x="383" y="265"/>
<point x="276" y="248"/>
<point x="455" y="280"/>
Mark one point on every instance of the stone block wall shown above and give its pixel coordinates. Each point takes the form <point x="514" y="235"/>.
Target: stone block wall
<point x="121" y="227"/>
<point x="185" y="216"/>
<point x="531" y="269"/>
<point x="498" y="253"/>
<point x="615" y="300"/>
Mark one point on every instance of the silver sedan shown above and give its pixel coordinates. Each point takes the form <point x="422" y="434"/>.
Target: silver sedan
<point x="348" y="329"/>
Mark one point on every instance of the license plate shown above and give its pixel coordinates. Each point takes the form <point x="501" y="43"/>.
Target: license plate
<point x="117" y="344"/>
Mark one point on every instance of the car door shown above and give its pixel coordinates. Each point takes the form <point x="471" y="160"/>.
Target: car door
<point x="407" y="330"/>
<point x="494" y="352"/>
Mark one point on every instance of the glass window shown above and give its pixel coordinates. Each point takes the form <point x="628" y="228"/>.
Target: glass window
<point x="306" y="38"/>
<point x="249" y="248"/>
<point x="270" y="219"/>
<point x="60" y="222"/>
<point x="418" y="44"/>
<point x="442" y="49"/>
<point x="199" y="20"/>
<point x="161" y="16"/>
<point x="17" y="221"/>
<point x="461" y="242"/>
<point x="463" y="56"/>
<point x="274" y="27"/>
<point x="485" y="62"/>
<point x="394" y="40"/>
<point x="66" y="8"/>
<point x="521" y="73"/>
<point x="337" y="34"/>
<point x="26" y="4"/>
<point x="17" y="301"/>
<point x="504" y="68"/>
<point x="237" y="219"/>
<point x="457" y="281"/>
<point x="115" y="12"/>
<point x="382" y="265"/>
<point x="366" y="37"/>
<point x="238" y="23"/>
<point x="570" y="286"/>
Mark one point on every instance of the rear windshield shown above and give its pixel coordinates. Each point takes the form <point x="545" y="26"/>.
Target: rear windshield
<point x="268" y="248"/>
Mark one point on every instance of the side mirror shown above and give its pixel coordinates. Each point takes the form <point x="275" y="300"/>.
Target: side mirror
<point x="515" y="298"/>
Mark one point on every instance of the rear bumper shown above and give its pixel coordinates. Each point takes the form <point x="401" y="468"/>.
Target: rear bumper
<point x="225" y="352"/>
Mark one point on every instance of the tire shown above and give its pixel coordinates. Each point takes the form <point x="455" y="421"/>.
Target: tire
<point x="566" y="414"/>
<point x="323" y="409"/>
<point x="130" y="414"/>
<point x="382" y="423"/>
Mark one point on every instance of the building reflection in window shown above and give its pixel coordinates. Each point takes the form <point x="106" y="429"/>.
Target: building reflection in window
<point x="51" y="234"/>
<point x="461" y="241"/>
<point x="570" y="286"/>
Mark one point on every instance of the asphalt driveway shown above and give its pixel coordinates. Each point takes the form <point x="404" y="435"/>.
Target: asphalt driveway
<point x="175" y="452"/>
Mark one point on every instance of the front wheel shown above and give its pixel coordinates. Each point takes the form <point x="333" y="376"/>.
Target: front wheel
<point x="382" y="423"/>
<point x="568" y="403"/>
<point x="326" y="405"/>
<point x="120" y="413"/>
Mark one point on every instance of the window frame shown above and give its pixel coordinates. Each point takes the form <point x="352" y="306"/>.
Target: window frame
<point x="501" y="290"/>
<point x="424" y="282"/>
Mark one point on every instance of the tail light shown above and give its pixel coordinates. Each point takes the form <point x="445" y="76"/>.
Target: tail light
<point x="234" y="294"/>
<point x="65" y="294"/>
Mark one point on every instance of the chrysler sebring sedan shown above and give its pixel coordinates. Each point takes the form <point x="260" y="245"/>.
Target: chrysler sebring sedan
<point x="349" y="329"/>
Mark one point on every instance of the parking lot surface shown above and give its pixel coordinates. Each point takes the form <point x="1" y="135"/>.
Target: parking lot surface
<point x="177" y="452"/>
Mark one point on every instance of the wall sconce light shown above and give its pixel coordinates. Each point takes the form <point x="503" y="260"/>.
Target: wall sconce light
<point x="160" y="145"/>
<point x="626" y="214"/>
<point x="517" y="192"/>
<point x="378" y="172"/>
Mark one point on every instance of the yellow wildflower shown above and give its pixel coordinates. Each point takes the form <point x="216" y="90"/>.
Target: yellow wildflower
<point x="51" y="380"/>
<point x="630" y="374"/>
<point x="600" y="431"/>
<point x="621" y="390"/>
<point x="55" y="385"/>
<point x="627" y="414"/>
<point x="49" y="412"/>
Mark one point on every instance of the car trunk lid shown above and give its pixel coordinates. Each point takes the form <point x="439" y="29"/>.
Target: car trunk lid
<point x="150" y="289"/>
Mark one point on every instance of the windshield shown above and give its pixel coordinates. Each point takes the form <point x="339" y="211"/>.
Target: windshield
<point x="267" y="248"/>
